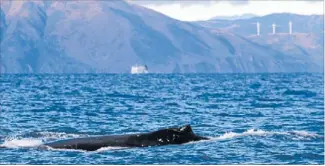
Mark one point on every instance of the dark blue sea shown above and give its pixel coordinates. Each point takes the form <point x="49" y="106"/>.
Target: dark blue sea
<point x="250" y="118"/>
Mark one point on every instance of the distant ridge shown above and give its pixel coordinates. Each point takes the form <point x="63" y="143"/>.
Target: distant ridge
<point x="236" y="17"/>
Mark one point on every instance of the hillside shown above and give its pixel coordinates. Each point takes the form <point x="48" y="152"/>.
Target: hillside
<point x="306" y="41"/>
<point x="246" y="27"/>
<point x="304" y="45"/>
<point x="111" y="36"/>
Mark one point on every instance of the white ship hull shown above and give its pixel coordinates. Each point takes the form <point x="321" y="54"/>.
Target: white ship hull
<point x="139" y="69"/>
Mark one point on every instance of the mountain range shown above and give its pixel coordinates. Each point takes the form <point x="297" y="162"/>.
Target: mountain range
<point x="111" y="36"/>
<point x="245" y="27"/>
<point x="236" y="17"/>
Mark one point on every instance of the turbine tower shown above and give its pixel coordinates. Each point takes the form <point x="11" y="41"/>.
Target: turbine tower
<point x="257" y="28"/>
<point x="274" y="28"/>
<point x="290" y="27"/>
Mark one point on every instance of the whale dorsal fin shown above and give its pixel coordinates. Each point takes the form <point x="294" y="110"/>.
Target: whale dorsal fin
<point x="186" y="129"/>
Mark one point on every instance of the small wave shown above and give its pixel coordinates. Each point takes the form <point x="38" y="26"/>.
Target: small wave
<point x="257" y="114"/>
<point x="269" y="99"/>
<point x="172" y="104"/>
<point x="122" y="95"/>
<point x="230" y="135"/>
<point x="267" y="105"/>
<point x="304" y="93"/>
<point x="254" y="132"/>
<point x="212" y="95"/>
<point x="304" y="135"/>
<point x="294" y="135"/>
<point x="255" y="85"/>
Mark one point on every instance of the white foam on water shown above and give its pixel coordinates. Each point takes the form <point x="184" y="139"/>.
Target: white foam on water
<point x="13" y="142"/>
<point x="66" y="150"/>
<point x="258" y="132"/>
<point x="109" y="148"/>
<point x="230" y="135"/>
<point x="18" y="143"/>
<point x="305" y="134"/>
<point x="59" y="135"/>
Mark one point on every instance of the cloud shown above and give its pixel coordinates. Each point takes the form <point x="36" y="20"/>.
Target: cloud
<point x="204" y="10"/>
<point x="186" y="3"/>
<point x="314" y="1"/>
<point x="240" y="2"/>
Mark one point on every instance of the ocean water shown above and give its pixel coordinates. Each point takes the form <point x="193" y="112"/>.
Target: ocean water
<point x="250" y="118"/>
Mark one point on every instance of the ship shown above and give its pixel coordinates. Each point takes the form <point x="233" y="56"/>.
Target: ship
<point x="139" y="69"/>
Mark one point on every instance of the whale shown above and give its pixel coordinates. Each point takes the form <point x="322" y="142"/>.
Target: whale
<point x="168" y="136"/>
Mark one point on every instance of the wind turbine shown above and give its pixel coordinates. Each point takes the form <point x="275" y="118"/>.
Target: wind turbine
<point x="257" y="28"/>
<point x="273" y="28"/>
<point x="290" y="27"/>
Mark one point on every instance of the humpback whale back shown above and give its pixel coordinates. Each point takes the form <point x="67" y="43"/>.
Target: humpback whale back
<point x="157" y="138"/>
<point x="166" y="136"/>
<point x="187" y="129"/>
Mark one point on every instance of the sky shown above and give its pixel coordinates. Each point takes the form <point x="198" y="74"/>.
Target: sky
<point x="195" y="10"/>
